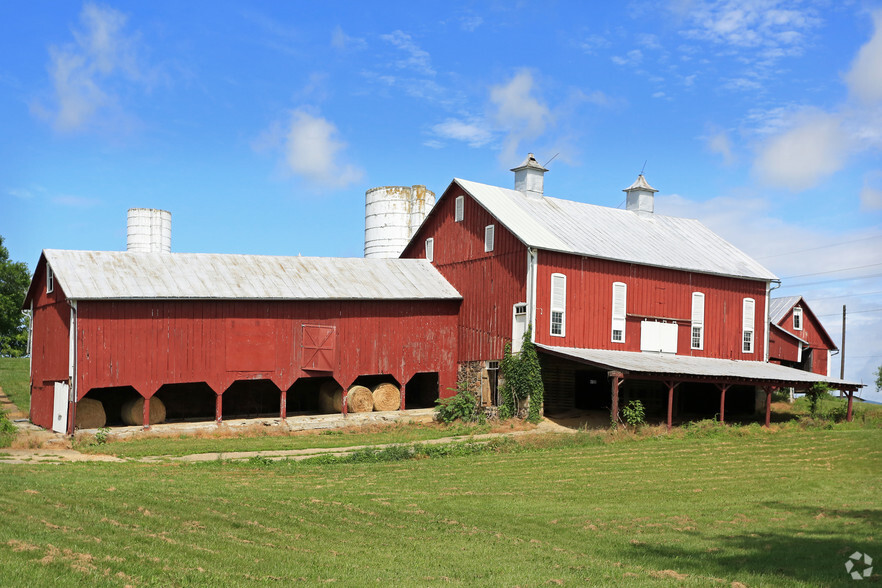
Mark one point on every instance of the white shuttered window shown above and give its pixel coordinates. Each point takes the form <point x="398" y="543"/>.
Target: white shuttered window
<point x="430" y="249"/>
<point x="697" y="320"/>
<point x="460" y="205"/>
<point x="619" y="309"/>
<point x="489" y="232"/>
<point x="748" y="314"/>
<point x="558" y="305"/>
<point x="797" y="319"/>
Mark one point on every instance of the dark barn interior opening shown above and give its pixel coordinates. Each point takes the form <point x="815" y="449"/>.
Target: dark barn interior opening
<point x="113" y="399"/>
<point x="192" y="401"/>
<point x="369" y="381"/>
<point x="251" y="398"/>
<point x="303" y="396"/>
<point x="421" y="391"/>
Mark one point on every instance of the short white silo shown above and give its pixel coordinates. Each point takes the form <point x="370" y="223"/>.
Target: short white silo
<point x="149" y="231"/>
<point x="391" y="215"/>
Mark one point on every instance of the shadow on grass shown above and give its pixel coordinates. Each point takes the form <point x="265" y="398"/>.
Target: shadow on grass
<point x="815" y="557"/>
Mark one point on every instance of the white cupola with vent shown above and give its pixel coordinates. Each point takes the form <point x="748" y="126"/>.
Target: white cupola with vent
<point x="641" y="196"/>
<point x="530" y="177"/>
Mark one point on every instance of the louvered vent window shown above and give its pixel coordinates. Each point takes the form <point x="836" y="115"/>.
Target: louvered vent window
<point x="797" y="319"/>
<point x="748" y="320"/>
<point x="558" y="305"/>
<point x="697" y="320"/>
<point x="460" y="206"/>
<point x="430" y="249"/>
<point x="619" y="306"/>
<point x="50" y="280"/>
<point x="489" y="231"/>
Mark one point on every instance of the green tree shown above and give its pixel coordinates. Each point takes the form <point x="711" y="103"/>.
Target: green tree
<point x="879" y="379"/>
<point x="14" y="281"/>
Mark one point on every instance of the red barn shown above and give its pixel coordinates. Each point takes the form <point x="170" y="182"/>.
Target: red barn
<point x="615" y="297"/>
<point x="217" y="335"/>
<point x="797" y="338"/>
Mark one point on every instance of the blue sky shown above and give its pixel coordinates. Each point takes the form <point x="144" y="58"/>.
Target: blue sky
<point x="261" y="125"/>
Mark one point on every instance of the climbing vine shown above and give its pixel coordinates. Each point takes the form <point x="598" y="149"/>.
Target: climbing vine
<point x="522" y="380"/>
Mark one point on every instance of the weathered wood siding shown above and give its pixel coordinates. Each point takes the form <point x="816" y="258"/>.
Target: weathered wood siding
<point x="814" y="333"/>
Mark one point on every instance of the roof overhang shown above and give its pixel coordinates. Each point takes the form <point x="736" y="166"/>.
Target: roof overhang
<point x="789" y="334"/>
<point x="682" y="368"/>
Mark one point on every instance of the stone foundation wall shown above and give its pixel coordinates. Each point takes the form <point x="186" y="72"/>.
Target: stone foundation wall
<point x="471" y="372"/>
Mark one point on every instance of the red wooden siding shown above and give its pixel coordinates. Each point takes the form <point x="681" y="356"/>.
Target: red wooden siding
<point x="813" y="332"/>
<point x="51" y="346"/>
<point x="782" y="347"/>
<point x="490" y="283"/>
<point x="146" y="344"/>
<point x="652" y="292"/>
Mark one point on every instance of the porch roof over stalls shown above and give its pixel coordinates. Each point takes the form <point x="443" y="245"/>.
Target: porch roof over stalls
<point x="702" y="369"/>
<point x="611" y="233"/>
<point x="121" y="275"/>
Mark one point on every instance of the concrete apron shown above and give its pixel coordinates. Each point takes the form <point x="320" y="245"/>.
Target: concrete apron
<point x="290" y="424"/>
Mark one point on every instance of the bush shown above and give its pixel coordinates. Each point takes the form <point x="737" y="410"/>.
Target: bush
<point x="463" y="405"/>
<point x="521" y="380"/>
<point x="814" y="395"/>
<point x="634" y="413"/>
<point x="7" y="430"/>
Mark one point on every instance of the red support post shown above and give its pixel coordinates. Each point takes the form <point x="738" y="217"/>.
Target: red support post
<point x="768" y="390"/>
<point x="849" y="415"/>
<point x="283" y="408"/>
<point x="218" y="409"/>
<point x="670" y="405"/>
<point x="345" y="391"/>
<point x="614" y="411"/>
<point x="723" y="388"/>
<point x="146" y="413"/>
<point x="402" y="405"/>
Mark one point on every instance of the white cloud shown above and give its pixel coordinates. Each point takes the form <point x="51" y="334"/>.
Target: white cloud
<point x="84" y="73"/>
<point x="871" y="192"/>
<point x="470" y="23"/>
<point x="813" y="148"/>
<point x="521" y="114"/>
<point x="74" y="201"/>
<point x="417" y="59"/>
<point x="473" y="132"/>
<point x="865" y="77"/>
<point x="592" y="43"/>
<point x="632" y="58"/>
<point x="719" y="142"/>
<point x="313" y="150"/>
<point x="341" y="41"/>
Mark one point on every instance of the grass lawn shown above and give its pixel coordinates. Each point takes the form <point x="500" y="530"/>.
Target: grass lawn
<point x="746" y="505"/>
<point x="14" y="379"/>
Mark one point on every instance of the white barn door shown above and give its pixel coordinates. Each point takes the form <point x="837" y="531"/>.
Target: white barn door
<point x="60" y="406"/>
<point x="518" y="326"/>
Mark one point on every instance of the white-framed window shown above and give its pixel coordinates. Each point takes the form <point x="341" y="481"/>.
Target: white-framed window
<point x="797" y="319"/>
<point x="460" y="207"/>
<point x="619" y="309"/>
<point x="748" y="314"/>
<point x="558" y="305"/>
<point x="697" y="320"/>
<point x="518" y="326"/>
<point x="430" y="249"/>
<point x="50" y="280"/>
<point x="489" y="234"/>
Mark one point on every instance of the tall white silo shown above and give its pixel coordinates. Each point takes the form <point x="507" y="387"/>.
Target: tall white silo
<point x="391" y="216"/>
<point x="148" y="231"/>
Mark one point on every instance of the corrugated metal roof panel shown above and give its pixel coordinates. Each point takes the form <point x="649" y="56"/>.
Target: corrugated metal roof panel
<point x="612" y="233"/>
<point x="684" y="365"/>
<point x="778" y="307"/>
<point x="120" y="275"/>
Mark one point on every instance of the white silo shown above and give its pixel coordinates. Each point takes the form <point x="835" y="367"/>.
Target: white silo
<point x="149" y="231"/>
<point x="391" y="216"/>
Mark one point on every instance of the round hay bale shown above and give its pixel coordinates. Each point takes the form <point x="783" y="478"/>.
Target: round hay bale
<point x="132" y="412"/>
<point x="386" y="397"/>
<point x="330" y="397"/>
<point x="359" y="399"/>
<point x="90" y="414"/>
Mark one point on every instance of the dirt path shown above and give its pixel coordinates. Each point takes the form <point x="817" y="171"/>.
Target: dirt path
<point x="56" y="456"/>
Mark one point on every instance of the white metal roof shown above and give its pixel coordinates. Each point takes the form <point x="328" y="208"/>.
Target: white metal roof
<point x="85" y="275"/>
<point x="778" y="307"/>
<point x="612" y="233"/>
<point x="685" y="365"/>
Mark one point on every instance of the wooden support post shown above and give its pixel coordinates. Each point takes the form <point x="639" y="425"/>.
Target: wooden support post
<point x="768" y="390"/>
<point x="345" y="391"/>
<point x="146" y="413"/>
<point x="670" y="404"/>
<point x="849" y="415"/>
<point x="723" y="388"/>
<point x="218" y="409"/>
<point x="402" y="405"/>
<point x="283" y="405"/>
<point x="614" y="411"/>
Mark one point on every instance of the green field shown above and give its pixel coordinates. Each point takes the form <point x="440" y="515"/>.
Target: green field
<point x="751" y="506"/>
<point x="14" y="376"/>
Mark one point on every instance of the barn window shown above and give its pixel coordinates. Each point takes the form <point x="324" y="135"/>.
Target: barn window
<point x="50" y="280"/>
<point x="558" y="305"/>
<point x="518" y="327"/>
<point x="697" y="320"/>
<point x="430" y="249"/>
<point x="619" y="305"/>
<point x="748" y="317"/>
<point x="797" y="318"/>
<point x="460" y="206"/>
<point x="489" y="231"/>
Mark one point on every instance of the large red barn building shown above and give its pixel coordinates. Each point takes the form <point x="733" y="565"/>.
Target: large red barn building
<point x="797" y="338"/>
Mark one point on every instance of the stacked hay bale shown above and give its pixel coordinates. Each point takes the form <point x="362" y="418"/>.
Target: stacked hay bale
<point x="90" y="414"/>
<point x="330" y="399"/>
<point x="359" y="399"/>
<point x="132" y="412"/>
<point x="386" y="397"/>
